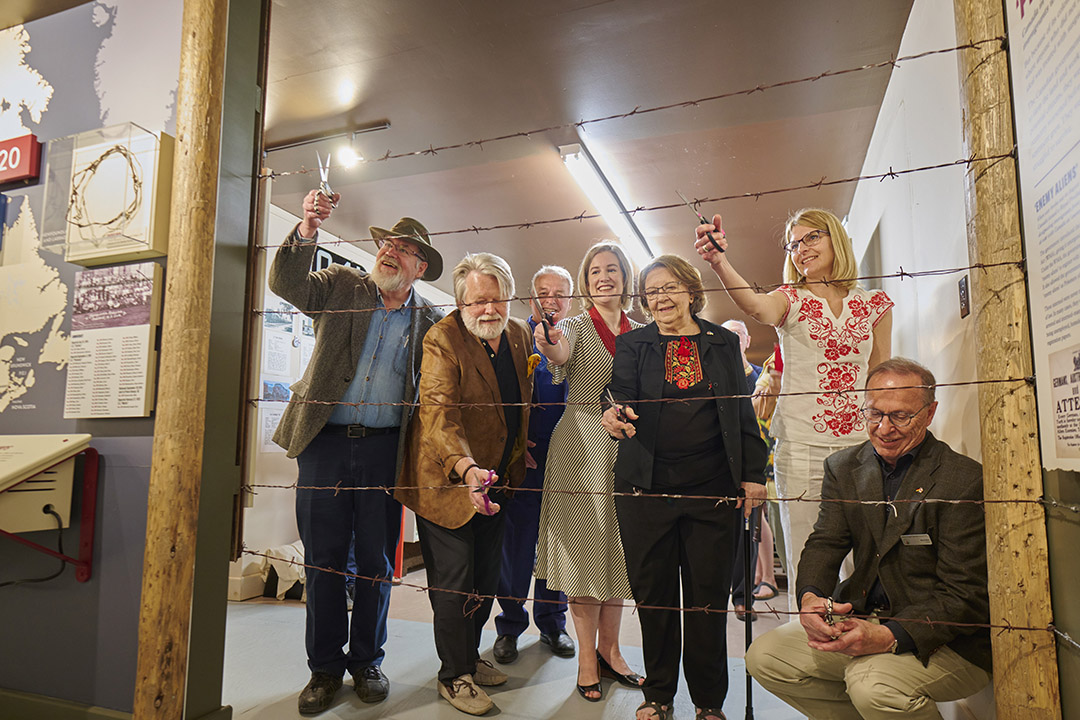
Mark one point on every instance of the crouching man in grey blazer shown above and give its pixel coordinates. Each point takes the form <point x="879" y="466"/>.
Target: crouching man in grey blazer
<point x="863" y="648"/>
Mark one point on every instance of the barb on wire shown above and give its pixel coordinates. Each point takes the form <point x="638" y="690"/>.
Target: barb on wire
<point x="474" y="596"/>
<point x="736" y="196"/>
<point x="756" y="287"/>
<point x="1065" y="637"/>
<point x="638" y="110"/>
<point x="1055" y="504"/>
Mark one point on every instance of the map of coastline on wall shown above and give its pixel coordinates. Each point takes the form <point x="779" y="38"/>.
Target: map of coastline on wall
<point x="98" y="64"/>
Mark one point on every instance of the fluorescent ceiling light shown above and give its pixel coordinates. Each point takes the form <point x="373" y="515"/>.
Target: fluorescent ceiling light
<point x="347" y="155"/>
<point x="579" y="161"/>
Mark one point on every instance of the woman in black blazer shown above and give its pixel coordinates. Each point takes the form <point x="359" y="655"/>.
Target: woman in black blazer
<point x="707" y="444"/>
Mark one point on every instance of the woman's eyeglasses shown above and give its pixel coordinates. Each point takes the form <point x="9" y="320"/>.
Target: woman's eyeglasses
<point x="808" y="240"/>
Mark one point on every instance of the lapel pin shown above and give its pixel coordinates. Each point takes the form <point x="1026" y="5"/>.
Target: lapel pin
<point x="918" y="490"/>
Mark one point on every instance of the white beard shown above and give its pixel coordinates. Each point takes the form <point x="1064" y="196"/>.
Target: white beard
<point x="486" y="331"/>
<point x="389" y="282"/>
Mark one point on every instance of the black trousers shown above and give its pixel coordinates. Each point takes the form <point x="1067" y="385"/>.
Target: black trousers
<point x="667" y="541"/>
<point x="467" y="559"/>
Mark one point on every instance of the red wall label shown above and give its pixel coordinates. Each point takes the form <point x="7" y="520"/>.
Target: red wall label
<point x="20" y="159"/>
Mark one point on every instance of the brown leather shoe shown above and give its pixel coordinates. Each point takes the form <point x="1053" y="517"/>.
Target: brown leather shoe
<point x="488" y="675"/>
<point x="318" y="694"/>
<point x="464" y="694"/>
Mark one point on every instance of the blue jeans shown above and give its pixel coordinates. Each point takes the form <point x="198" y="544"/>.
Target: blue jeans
<point x="329" y="523"/>
<point x="519" y="558"/>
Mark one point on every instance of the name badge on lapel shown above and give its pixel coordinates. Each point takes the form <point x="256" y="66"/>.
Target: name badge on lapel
<point x="920" y="539"/>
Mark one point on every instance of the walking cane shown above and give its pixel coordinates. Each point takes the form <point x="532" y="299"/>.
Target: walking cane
<point x="750" y="530"/>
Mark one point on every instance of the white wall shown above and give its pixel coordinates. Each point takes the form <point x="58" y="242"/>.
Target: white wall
<point x="920" y="222"/>
<point x="920" y="217"/>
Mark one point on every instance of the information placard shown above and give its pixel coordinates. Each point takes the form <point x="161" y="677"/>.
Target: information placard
<point x="1044" y="49"/>
<point x="113" y="331"/>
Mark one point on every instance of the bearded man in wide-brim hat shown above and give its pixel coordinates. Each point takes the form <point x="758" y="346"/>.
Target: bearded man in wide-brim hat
<point x="345" y="424"/>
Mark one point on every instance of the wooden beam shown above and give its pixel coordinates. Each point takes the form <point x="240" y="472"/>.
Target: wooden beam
<point x="1025" y="662"/>
<point x="175" y="471"/>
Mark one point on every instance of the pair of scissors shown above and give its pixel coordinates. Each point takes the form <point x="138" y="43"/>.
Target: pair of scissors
<point x="484" y="486"/>
<point x="619" y="412"/>
<point x="324" y="177"/>
<point x="549" y="320"/>
<point x="703" y="221"/>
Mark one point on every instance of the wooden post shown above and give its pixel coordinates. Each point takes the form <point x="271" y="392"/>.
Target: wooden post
<point x="176" y="467"/>
<point x="1025" y="662"/>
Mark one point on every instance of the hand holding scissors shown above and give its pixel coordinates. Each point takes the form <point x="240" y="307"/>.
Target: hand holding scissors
<point x="478" y="491"/>
<point x="706" y="233"/>
<point x="617" y="419"/>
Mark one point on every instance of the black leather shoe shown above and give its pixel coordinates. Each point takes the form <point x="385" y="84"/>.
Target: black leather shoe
<point x="631" y="679"/>
<point x="560" y="643"/>
<point x="505" y="649"/>
<point x="371" y="685"/>
<point x="319" y="693"/>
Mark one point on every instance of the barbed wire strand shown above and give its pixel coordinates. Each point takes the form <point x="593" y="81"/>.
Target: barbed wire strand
<point x="718" y="499"/>
<point x="432" y="149"/>
<point x="478" y="598"/>
<point x="756" y="195"/>
<point x="759" y="288"/>
<point x="589" y="403"/>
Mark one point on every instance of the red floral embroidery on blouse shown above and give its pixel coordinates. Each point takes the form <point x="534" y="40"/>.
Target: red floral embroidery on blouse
<point x="682" y="366"/>
<point x="840" y="414"/>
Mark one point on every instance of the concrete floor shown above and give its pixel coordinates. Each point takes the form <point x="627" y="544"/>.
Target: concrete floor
<point x="265" y="669"/>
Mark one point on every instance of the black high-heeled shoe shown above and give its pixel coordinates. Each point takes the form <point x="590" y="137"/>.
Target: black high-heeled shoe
<point x="631" y="679"/>
<point x="583" y="690"/>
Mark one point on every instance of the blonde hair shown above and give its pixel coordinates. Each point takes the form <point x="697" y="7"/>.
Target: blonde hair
<point x="626" y="301"/>
<point x="684" y="272"/>
<point x="844" y="269"/>
<point x="485" y="264"/>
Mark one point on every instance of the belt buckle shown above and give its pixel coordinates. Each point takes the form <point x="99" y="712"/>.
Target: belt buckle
<point x="355" y="431"/>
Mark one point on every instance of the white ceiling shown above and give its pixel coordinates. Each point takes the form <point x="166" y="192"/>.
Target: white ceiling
<point x="447" y="72"/>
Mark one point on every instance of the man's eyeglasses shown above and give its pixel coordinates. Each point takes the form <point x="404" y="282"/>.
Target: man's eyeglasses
<point x="899" y="418"/>
<point x="402" y="248"/>
<point x="670" y="289"/>
<point x="808" y="240"/>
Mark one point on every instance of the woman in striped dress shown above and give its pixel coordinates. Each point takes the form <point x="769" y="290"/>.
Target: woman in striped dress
<point x="579" y="550"/>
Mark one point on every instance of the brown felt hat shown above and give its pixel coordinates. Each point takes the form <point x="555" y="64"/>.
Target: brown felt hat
<point x="410" y="229"/>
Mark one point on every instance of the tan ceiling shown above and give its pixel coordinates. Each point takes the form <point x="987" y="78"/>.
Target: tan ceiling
<point x="450" y="72"/>
<point x="17" y="12"/>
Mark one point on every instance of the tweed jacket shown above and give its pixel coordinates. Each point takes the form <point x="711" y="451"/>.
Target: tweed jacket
<point x="638" y="374"/>
<point x="942" y="580"/>
<point x="339" y="338"/>
<point x="456" y="369"/>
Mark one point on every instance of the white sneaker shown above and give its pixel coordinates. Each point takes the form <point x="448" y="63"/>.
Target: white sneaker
<point x="488" y="675"/>
<point x="463" y="694"/>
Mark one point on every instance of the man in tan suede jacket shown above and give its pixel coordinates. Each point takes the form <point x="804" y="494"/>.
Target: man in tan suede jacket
<point x="461" y="458"/>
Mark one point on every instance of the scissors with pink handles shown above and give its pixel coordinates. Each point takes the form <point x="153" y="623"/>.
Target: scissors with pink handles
<point x="487" y="483"/>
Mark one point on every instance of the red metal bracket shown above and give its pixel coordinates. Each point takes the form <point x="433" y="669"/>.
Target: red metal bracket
<point x="84" y="564"/>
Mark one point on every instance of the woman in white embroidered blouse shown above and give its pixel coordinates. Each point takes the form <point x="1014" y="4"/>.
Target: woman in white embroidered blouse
<point x="831" y="332"/>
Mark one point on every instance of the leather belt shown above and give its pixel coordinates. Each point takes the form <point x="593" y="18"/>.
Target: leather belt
<point x="359" y="431"/>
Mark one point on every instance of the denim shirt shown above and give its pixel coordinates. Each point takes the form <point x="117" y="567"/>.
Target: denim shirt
<point x="542" y="419"/>
<point x="380" y="371"/>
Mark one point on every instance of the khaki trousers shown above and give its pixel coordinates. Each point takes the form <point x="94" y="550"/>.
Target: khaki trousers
<point x="832" y="686"/>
